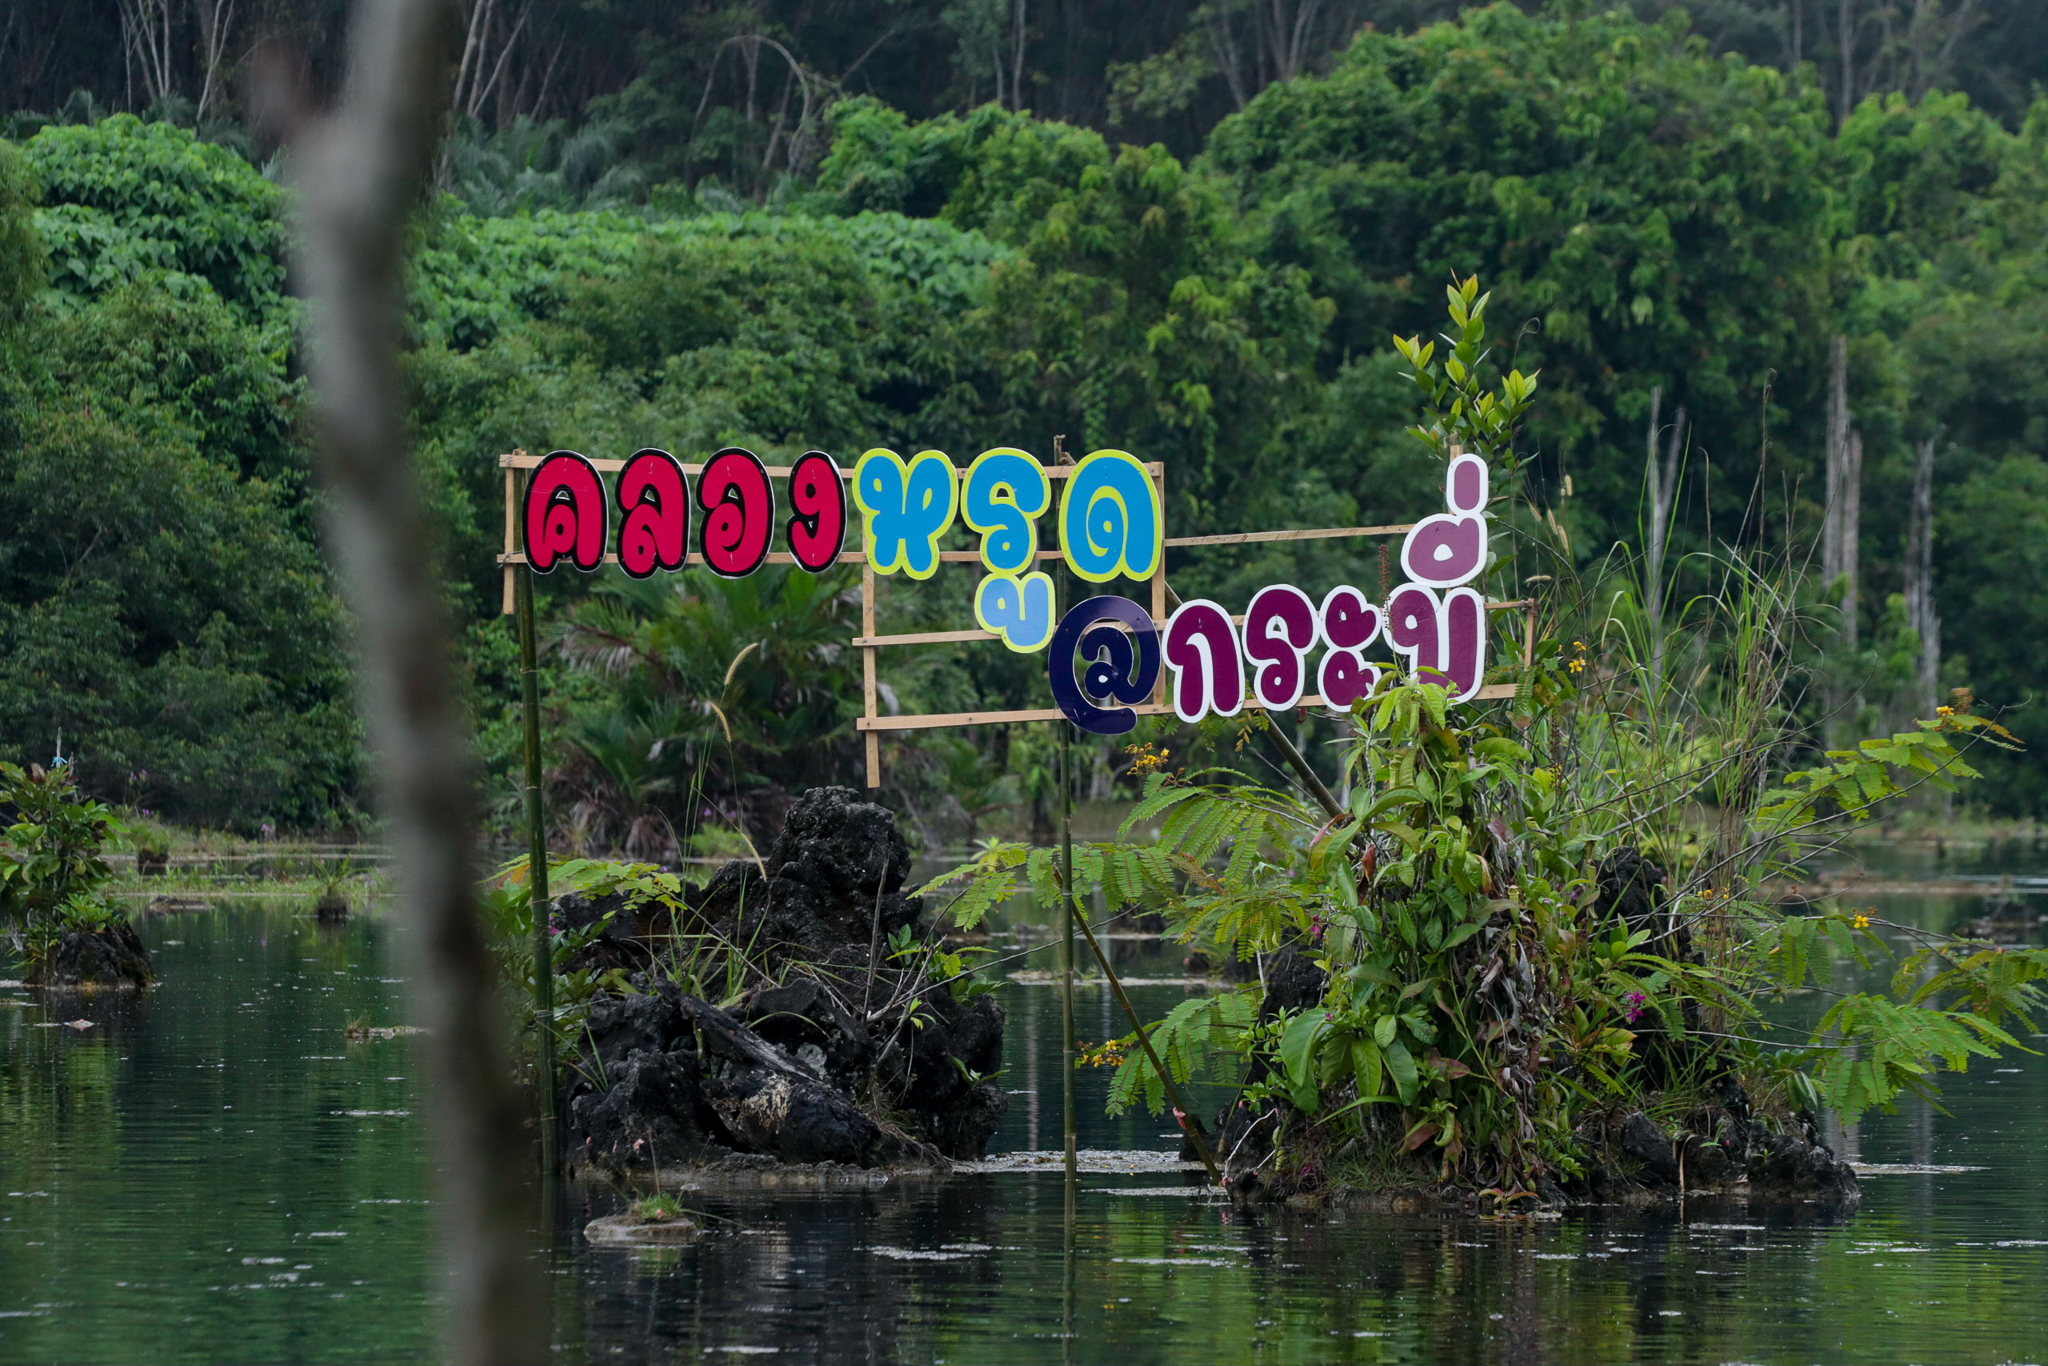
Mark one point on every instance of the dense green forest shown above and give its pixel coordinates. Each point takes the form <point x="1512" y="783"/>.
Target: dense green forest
<point x="1185" y="230"/>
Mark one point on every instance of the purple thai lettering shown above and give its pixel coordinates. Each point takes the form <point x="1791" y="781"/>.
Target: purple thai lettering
<point x="1279" y="629"/>
<point x="1447" y="549"/>
<point x="1344" y="678"/>
<point x="1202" y="651"/>
<point x="1347" y="623"/>
<point x="1413" y="627"/>
<point x="1346" y="620"/>
<point x="1462" y="624"/>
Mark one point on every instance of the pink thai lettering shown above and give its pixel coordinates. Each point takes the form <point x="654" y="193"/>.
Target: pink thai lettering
<point x="818" y="525"/>
<point x="655" y="496"/>
<point x="735" y="494"/>
<point x="564" y="514"/>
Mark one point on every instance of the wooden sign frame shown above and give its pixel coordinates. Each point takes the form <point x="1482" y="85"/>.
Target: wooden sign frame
<point x="871" y="723"/>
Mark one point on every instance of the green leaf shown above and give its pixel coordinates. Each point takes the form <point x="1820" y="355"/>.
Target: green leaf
<point x="1298" y="1042"/>
<point x="1401" y="1067"/>
<point x="1365" y="1066"/>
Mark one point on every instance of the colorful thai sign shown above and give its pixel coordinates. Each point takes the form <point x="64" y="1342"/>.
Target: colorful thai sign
<point x="1106" y="652"/>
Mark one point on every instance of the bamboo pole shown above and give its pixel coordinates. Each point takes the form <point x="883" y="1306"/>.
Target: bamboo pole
<point x="1116" y="985"/>
<point x="869" y="687"/>
<point x="1066" y="771"/>
<point x="537" y="876"/>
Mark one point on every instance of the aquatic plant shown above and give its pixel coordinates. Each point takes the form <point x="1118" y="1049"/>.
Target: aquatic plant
<point x="1515" y="920"/>
<point x="52" y="868"/>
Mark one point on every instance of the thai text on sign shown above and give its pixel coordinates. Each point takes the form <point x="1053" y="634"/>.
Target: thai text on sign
<point x="1106" y="652"/>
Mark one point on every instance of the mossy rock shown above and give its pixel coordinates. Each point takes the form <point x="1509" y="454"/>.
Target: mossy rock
<point x="630" y="1230"/>
<point x="94" y="959"/>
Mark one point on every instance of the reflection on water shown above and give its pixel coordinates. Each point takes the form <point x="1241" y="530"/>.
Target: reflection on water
<point x="215" y="1172"/>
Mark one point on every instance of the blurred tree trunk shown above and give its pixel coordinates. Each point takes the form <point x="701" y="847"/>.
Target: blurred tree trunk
<point x="361" y="174"/>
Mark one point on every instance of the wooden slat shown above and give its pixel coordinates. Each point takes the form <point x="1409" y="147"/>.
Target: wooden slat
<point x="1492" y="692"/>
<point x="511" y="533"/>
<point x="1159" y="593"/>
<point x="923" y="638"/>
<point x="1318" y="534"/>
<point x="611" y="557"/>
<point x="974" y="556"/>
<point x="867" y="674"/>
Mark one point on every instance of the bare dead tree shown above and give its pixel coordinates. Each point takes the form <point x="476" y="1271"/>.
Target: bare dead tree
<point x="1845" y="37"/>
<point x="1282" y="39"/>
<point x="1287" y="34"/>
<point x="1851" y="534"/>
<point x="749" y="46"/>
<point x="1886" y="45"/>
<point x="25" y="49"/>
<point x="1837" y="459"/>
<point x="1842" y="516"/>
<point x="485" y="25"/>
<point x="1663" y="481"/>
<point x="361" y="173"/>
<point x="1920" y="610"/>
<point x="1017" y="43"/>
<point x="146" y="43"/>
<point x="216" y="21"/>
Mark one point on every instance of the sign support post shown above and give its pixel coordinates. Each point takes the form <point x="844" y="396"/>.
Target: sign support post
<point x="537" y="873"/>
<point x="1066" y="770"/>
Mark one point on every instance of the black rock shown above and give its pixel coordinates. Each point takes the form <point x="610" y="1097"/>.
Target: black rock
<point x="962" y="1129"/>
<point x="1244" y="1136"/>
<point x="1645" y="1140"/>
<point x="1784" y="1166"/>
<point x="1293" y="982"/>
<point x="618" y="1026"/>
<point x="840" y="846"/>
<point x="801" y="1121"/>
<point x="804" y="1015"/>
<point x="1631" y="886"/>
<point x="818" y="1059"/>
<point x="1708" y="1164"/>
<point x="838" y="864"/>
<point x="928" y="1071"/>
<point x="649" y="1112"/>
<point x="109" y="957"/>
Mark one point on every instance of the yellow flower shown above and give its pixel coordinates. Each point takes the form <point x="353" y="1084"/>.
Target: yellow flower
<point x="1944" y="711"/>
<point x="1861" y="922"/>
<point x="1576" y="665"/>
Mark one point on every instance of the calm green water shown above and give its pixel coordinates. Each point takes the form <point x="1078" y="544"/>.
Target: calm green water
<point x="217" y="1173"/>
